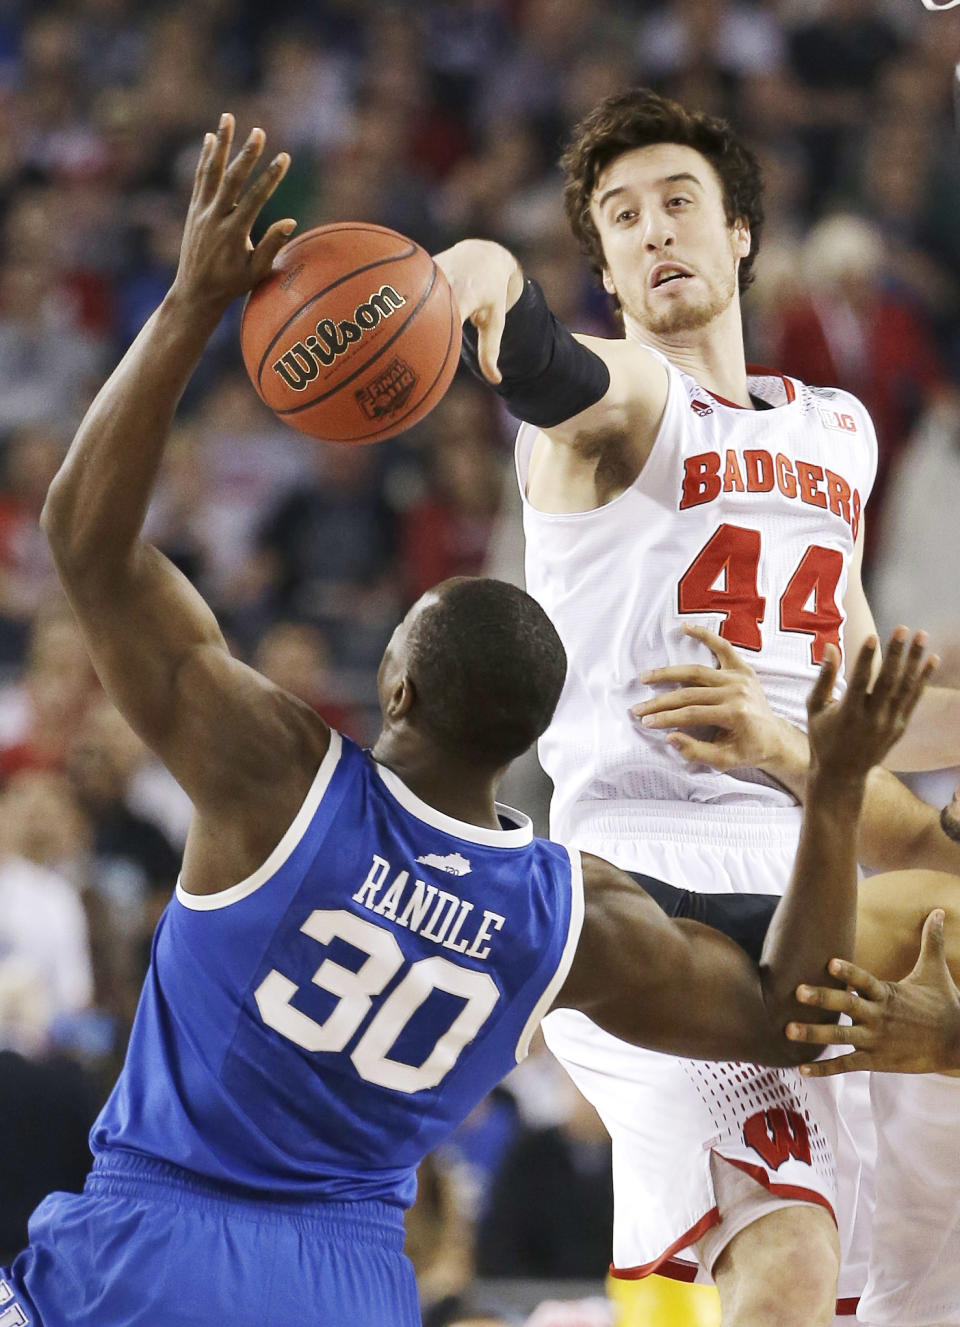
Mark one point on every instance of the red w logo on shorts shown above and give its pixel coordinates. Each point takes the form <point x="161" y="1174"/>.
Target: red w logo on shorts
<point x="777" y="1134"/>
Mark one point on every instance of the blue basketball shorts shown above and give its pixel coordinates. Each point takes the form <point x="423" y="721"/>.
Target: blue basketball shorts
<point x="148" y="1245"/>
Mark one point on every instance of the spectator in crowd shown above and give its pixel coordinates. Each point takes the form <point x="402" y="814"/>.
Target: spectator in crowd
<point x="45" y="968"/>
<point x="848" y="329"/>
<point x="551" y="1209"/>
<point x="40" y="712"/>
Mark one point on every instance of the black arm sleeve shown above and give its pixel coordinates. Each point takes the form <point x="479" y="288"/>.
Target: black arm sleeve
<point x="743" y="917"/>
<point x="548" y="376"/>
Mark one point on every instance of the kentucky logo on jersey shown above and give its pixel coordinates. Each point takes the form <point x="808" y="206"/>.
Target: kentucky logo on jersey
<point x="454" y="863"/>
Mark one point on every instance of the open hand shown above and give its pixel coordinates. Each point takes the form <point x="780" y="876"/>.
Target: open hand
<point x="728" y="698"/>
<point x="905" y="1027"/>
<point x="851" y="735"/>
<point x="218" y="260"/>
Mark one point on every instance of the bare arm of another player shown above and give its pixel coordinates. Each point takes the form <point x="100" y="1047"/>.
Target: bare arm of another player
<point x="933" y="738"/>
<point x="679" y="987"/>
<point x="596" y="450"/>
<point x="222" y="730"/>
<point x="897" y="831"/>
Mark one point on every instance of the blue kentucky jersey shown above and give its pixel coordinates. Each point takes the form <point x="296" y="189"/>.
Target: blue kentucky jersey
<point x="317" y="1029"/>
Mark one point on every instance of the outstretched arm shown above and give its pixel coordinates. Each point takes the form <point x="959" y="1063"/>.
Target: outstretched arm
<point x="154" y="642"/>
<point x="596" y="401"/>
<point x="683" y="988"/>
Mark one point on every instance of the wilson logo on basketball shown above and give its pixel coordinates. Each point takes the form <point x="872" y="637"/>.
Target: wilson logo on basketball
<point x="299" y="365"/>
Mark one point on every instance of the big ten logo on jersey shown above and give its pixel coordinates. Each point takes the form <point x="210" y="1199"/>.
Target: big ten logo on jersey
<point x="376" y="998"/>
<point x="776" y="1135"/>
<point x="834" y="419"/>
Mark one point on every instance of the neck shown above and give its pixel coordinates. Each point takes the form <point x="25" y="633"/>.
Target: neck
<point x="442" y="781"/>
<point x="713" y="355"/>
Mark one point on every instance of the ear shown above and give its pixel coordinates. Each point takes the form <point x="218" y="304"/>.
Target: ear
<point x="608" y="285"/>
<point x="401" y="698"/>
<point x="741" y="239"/>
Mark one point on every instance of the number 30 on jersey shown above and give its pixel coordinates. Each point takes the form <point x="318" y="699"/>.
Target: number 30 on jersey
<point x="723" y="578"/>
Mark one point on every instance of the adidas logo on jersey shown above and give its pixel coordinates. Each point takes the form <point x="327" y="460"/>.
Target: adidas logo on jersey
<point x="454" y="863"/>
<point x="701" y="408"/>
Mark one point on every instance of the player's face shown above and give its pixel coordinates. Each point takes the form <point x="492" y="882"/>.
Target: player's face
<point x="671" y="258"/>
<point x="950" y="818"/>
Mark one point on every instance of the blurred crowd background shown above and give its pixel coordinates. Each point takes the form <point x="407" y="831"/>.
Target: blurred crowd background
<point x="442" y="119"/>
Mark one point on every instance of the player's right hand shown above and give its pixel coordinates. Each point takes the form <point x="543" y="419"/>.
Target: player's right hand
<point x="218" y="260"/>
<point x="486" y="281"/>
<point x="851" y="735"/>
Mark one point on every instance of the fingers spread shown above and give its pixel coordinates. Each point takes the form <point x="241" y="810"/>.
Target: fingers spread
<point x="862" y="669"/>
<point x="217" y="158"/>
<point x="822" y="690"/>
<point x="932" y="946"/>
<point x="238" y="172"/>
<point x="828" y="997"/>
<point x="270" y="245"/>
<point x="669" y="701"/>
<point x="263" y="186"/>
<point x="841" y="1064"/>
<point x="869" y="986"/>
<point x="706" y="753"/>
<point x="889" y="674"/>
<point x="697" y="675"/>
<point x="723" y="651"/>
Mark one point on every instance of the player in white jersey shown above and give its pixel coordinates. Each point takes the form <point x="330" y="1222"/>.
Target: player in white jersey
<point x="664" y="486"/>
<point x="913" y="1224"/>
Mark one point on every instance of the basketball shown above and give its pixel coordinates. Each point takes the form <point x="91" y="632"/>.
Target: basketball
<point x="354" y="336"/>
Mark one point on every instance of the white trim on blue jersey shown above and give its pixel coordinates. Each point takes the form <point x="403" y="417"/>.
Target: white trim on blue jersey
<point x="224" y="897"/>
<point x="542" y="1006"/>
<point x="518" y="837"/>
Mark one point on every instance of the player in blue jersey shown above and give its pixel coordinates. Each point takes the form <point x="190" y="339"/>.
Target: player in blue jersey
<point x="361" y="943"/>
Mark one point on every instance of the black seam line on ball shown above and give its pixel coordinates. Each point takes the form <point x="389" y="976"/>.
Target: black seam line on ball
<point x="357" y="271"/>
<point x="362" y="437"/>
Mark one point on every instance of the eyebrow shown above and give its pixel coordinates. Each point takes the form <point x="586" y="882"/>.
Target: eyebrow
<point x="667" y="179"/>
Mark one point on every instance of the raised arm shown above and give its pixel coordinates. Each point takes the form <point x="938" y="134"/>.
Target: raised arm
<point x="223" y="731"/>
<point x="686" y="989"/>
<point x="597" y="402"/>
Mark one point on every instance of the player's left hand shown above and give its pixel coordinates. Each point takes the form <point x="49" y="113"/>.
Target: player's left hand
<point x="218" y="260"/>
<point x="905" y="1027"/>
<point x="727" y="698"/>
<point x="850" y="735"/>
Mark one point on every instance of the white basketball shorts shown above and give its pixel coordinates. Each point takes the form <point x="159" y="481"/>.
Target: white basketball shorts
<point x="667" y="1116"/>
<point x="914" y="1276"/>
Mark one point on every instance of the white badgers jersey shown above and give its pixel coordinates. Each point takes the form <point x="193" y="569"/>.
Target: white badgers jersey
<point x="743" y="521"/>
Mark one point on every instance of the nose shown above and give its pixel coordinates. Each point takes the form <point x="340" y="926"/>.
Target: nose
<point x="658" y="232"/>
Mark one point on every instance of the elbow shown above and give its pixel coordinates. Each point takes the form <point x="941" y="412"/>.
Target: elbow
<point x="73" y="543"/>
<point x="57" y="519"/>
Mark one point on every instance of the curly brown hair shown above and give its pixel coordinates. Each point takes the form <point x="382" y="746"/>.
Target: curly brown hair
<point x="641" y="117"/>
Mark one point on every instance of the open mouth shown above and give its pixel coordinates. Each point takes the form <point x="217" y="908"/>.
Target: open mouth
<point x="667" y="275"/>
